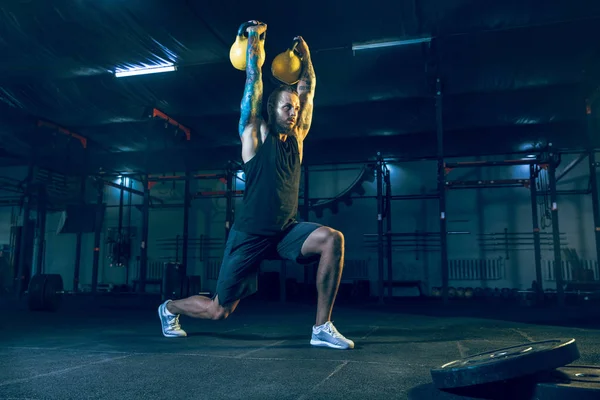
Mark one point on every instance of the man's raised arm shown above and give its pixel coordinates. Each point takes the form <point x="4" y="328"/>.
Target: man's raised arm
<point x="306" y="89"/>
<point x="253" y="92"/>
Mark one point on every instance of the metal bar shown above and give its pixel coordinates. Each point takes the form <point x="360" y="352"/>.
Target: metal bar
<point x="595" y="202"/>
<point x="417" y="233"/>
<point x="144" y="242"/>
<point x="556" y="236"/>
<point x="121" y="187"/>
<point x="441" y="176"/>
<point x="120" y="221"/>
<point x="79" y="236"/>
<point x="42" y="207"/>
<point x="567" y="192"/>
<point x="471" y="164"/>
<point x="570" y="166"/>
<point x="414" y="197"/>
<point x="187" y="202"/>
<point x="306" y="215"/>
<point x="491" y="183"/>
<point x="170" y="178"/>
<point x="229" y="200"/>
<point x="380" y="233"/>
<point x="388" y="220"/>
<point x="21" y="281"/>
<point x="97" y="234"/>
<point x="306" y="208"/>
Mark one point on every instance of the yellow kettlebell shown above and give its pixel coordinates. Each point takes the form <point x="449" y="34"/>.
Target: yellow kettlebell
<point x="239" y="48"/>
<point x="287" y="66"/>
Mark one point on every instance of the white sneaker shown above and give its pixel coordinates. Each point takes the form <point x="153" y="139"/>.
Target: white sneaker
<point x="170" y="322"/>
<point x="327" y="336"/>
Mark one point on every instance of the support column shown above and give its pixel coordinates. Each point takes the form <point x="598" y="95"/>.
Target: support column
<point x="22" y="265"/>
<point x="42" y="205"/>
<point x="229" y="200"/>
<point x="187" y="203"/>
<point x="593" y="175"/>
<point x="555" y="232"/>
<point x="97" y="234"/>
<point x="595" y="201"/>
<point x="536" y="234"/>
<point x="144" y="242"/>
<point x="120" y="221"/>
<point x="441" y="172"/>
<point x="79" y="235"/>
<point x="380" y="233"/>
<point x="388" y="220"/>
<point x="305" y="216"/>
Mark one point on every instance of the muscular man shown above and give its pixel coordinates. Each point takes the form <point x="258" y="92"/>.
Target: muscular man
<point x="266" y="227"/>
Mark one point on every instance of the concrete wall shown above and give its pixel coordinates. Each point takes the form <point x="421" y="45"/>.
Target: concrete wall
<point x="477" y="212"/>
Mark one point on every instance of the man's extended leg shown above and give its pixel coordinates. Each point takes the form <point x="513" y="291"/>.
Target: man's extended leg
<point x="195" y="307"/>
<point x="305" y="242"/>
<point x="237" y="279"/>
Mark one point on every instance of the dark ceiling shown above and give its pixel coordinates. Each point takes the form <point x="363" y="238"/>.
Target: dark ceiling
<point x="514" y="74"/>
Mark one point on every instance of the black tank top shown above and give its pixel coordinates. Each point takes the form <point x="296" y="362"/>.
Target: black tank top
<point x="270" y="201"/>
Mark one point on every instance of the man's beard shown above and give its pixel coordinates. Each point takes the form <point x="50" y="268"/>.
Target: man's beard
<point x="283" y="129"/>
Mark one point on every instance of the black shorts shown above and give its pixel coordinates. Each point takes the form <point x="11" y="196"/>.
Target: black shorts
<point x="238" y="277"/>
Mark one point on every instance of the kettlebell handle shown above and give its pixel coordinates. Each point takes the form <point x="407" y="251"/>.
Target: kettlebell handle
<point x="246" y="25"/>
<point x="293" y="48"/>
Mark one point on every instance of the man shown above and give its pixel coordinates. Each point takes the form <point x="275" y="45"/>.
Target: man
<point x="266" y="227"/>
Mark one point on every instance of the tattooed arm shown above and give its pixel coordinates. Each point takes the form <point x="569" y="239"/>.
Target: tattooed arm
<point x="250" y="119"/>
<point x="306" y="89"/>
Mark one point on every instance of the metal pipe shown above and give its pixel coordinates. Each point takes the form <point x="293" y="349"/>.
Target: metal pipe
<point x="144" y="241"/>
<point x="306" y="215"/>
<point x="556" y="235"/>
<point x="307" y="199"/>
<point x="187" y="202"/>
<point x="21" y="281"/>
<point x="471" y="164"/>
<point x="595" y="201"/>
<point x="79" y="235"/>
<point x="229" y="200"/>
<point x="388" y="219"/>
<point x="441" y="177"/>
<point x="97" y="233"/>
<point x="570" y="166"/>
<point x="380" y="254"/>
<point x="42" y="203"/>
<point x="120" y="221"/>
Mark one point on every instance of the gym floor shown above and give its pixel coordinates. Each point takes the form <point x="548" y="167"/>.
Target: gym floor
<point x="115" y="350"/>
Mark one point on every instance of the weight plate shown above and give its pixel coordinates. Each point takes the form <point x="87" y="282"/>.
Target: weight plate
<point x="53" y="292"/>
<point x="579" y="382"/>
<point x="35" y="292"/>
<point x="506" y="363"/>
<point x="516" y="389"/>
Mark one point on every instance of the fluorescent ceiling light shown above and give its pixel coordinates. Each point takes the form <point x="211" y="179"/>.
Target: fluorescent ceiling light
<point x="392" y="43"/>
<point x="144" y="71"/>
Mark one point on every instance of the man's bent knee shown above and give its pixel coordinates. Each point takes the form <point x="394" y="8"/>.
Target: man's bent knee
<point x="219" y="312"/>
<point x="334" y="241"/>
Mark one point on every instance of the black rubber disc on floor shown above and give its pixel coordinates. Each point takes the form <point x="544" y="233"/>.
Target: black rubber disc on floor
<point x="581" y="382"/>
<point x="506" y="363"/>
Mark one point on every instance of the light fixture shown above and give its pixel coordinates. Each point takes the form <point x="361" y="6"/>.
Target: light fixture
<point x="145" y="70"/>
<point x="391" y="43"/>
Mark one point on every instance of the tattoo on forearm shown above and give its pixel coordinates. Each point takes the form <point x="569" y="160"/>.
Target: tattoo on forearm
<point x="308" y="79"/>
<point x="306" y="90"/>
<point x="253" y="91"/>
